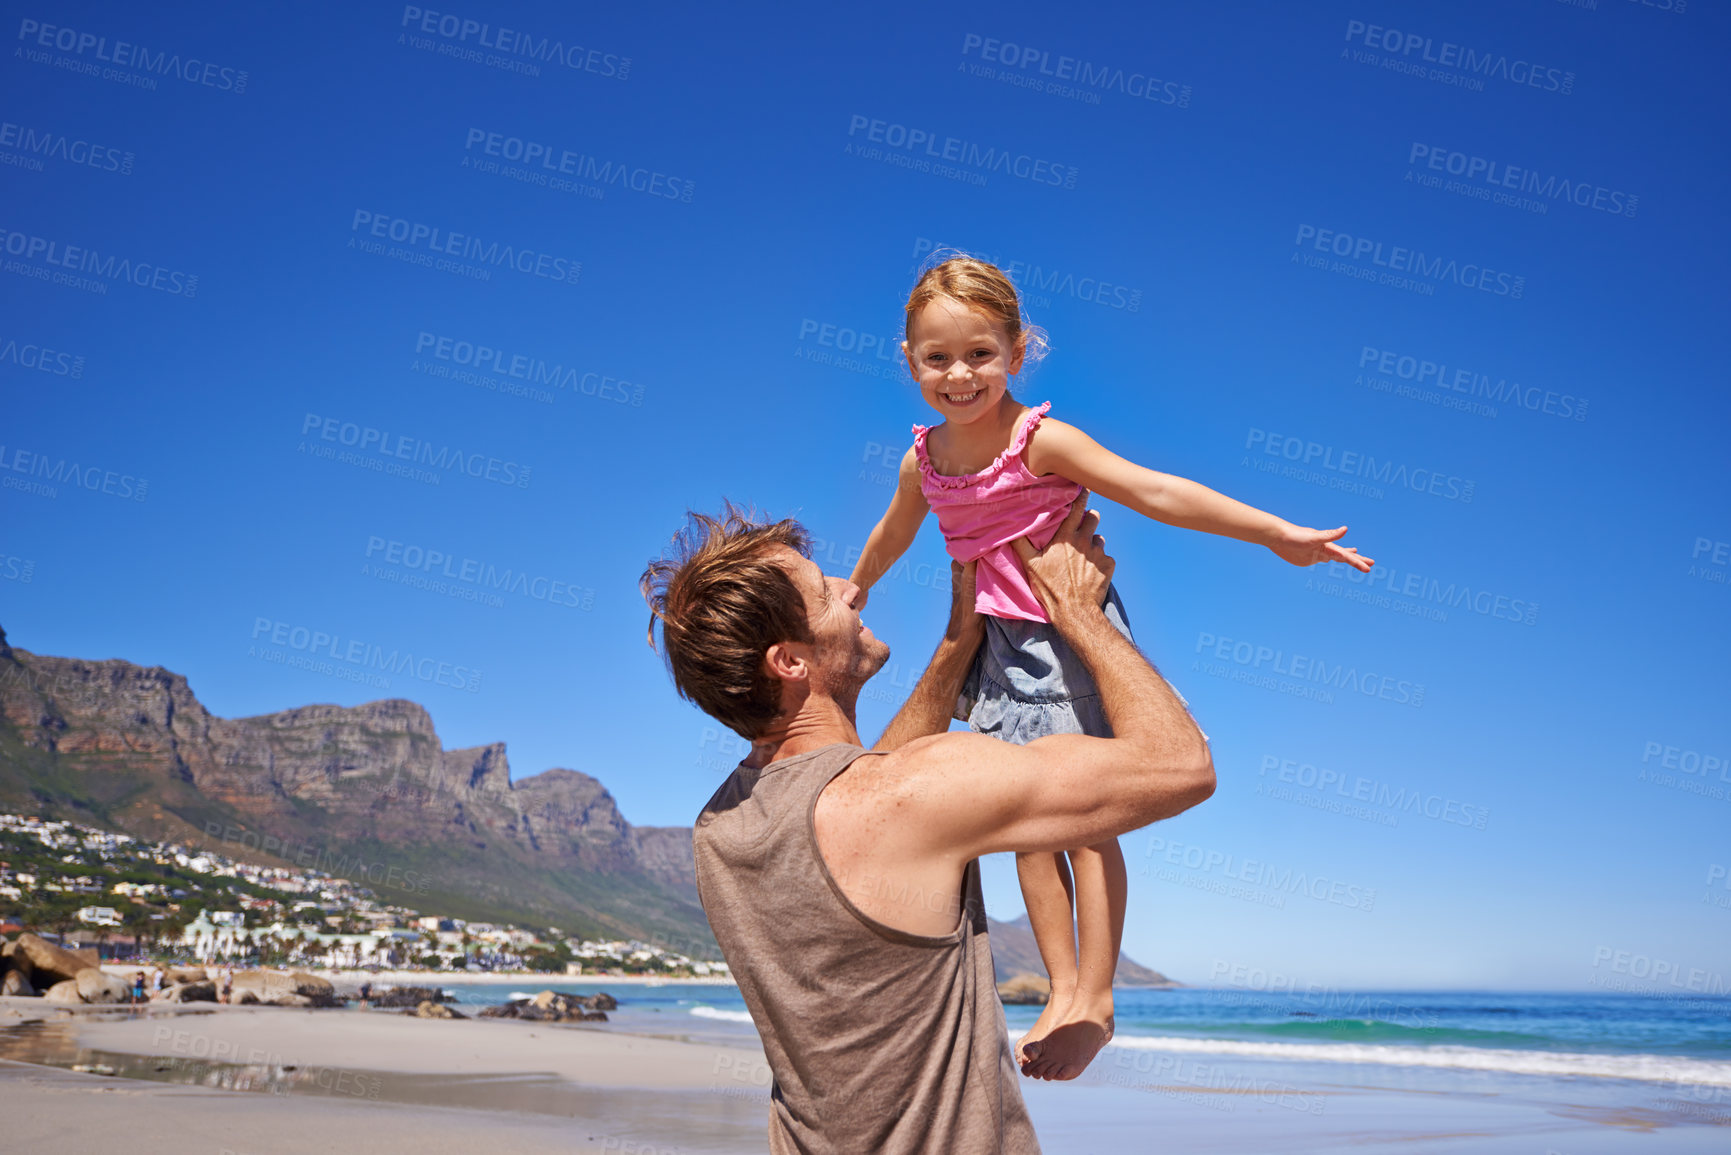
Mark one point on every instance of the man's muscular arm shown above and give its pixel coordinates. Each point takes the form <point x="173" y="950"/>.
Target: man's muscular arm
<point x="977" y="795"/>
<point x="932" y="803"/>
<point x="928" y="709"/>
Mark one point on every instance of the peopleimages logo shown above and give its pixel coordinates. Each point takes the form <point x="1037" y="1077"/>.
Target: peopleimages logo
<point x="524" y="367"/>
<point x="81" y="259"/>
<point x="1424" y="372"/>
<point x="1254" y="659"/>
<point x="545" y="161"/>
<point x="1351" y="463"/>
<point x="1498" y="177"/>
<point x="1358" y="788"/>
<point x="1035" y="279"/>
<point x="460" y="32"/>
<point x="34" y="144"/>
<point x="41" y="358"/>
<point x="1401" y="47"/>
<point x="464" y="246"/>
<point x="928" y="146"/>
<point x="60" y="471"/>
<point x="1432" y="591"/>
<point x="372" y="444"/>
<point x="468" y="571"/>
<point x="1070" y="76"/>
<point x="1278" y="880"/>
<point x="1468" y="274"/>
<point x="364" y="655"/>
<point x="87" y="46"/>
<point x="306" y="855"/>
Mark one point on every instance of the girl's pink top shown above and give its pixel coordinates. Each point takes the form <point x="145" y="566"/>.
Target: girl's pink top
<point x="981" y="513"/>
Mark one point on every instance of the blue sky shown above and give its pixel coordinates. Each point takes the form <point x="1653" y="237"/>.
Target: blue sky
<point x="1266" y="243"/>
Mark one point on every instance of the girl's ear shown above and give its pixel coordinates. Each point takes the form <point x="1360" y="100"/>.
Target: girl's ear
<point x="1016" y="353"/>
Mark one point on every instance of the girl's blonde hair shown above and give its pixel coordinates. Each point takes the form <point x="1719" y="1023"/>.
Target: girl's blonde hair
<point x="982" y="286"/>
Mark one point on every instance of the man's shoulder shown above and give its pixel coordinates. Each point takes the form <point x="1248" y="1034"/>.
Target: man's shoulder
<point x="898" y="770"/>
<point x="721" y="801"/>
<point x="749" y="792"/>
<point x="936" y="748"/>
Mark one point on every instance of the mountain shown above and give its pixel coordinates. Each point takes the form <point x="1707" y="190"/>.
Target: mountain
<point x="1014" y="952"/>
<point x="365" y="792"/>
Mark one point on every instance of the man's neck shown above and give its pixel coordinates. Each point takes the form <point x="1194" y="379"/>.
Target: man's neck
<point x="820" y="721"/>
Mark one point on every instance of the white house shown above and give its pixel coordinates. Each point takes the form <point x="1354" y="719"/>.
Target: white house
<point x="99" y="916"/>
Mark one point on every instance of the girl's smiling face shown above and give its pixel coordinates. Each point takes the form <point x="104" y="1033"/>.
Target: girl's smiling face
<point x="962" y="359"/>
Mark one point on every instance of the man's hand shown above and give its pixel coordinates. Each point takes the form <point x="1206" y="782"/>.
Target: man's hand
<point x="1073" y="572"/>
<point x="1302" y="546"/>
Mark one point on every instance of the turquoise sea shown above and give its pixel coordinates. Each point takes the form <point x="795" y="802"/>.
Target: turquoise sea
<point x="1681" y="1040"/>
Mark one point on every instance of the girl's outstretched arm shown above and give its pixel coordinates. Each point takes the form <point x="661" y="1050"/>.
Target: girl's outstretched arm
<point x="1057" y="447"/>
<point x="896" y="530"/>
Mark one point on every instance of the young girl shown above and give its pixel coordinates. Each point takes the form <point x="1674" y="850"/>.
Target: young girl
<point x="994" y="470"/>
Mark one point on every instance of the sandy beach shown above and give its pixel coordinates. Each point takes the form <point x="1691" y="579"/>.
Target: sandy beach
<point x="262" y="1080"/>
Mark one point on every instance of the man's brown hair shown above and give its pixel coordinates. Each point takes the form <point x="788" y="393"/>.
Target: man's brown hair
<point x="722" y="601"/>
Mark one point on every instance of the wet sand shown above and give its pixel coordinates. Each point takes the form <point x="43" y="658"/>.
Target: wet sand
<point x="262" y="1080"/>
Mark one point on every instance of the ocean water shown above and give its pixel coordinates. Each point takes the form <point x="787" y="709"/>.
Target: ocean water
<point x="1682" y="1040"/>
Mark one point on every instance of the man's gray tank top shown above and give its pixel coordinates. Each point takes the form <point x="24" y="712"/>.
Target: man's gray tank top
<point x="878" y="1040"/>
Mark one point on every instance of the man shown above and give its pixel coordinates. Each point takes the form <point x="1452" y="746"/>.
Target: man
<point x="841" y="883"/>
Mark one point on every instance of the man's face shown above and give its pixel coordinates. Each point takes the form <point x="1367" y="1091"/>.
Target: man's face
<point x="845" y="653"/>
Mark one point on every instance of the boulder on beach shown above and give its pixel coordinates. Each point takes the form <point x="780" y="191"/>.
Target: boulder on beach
<point x="1025" y="989"/>
<point x="14" y="960"/>
<point x="13" y="984"/>
<point x="49" y="964"/>
<point x="312" y="986"/>
<point x="409" y="997"/>
<point x="200" y="992"/>
<point x="553" y="1007"/>
<point x="432" y="1010"/>
<point x="175" y="976"/>
<point x="280" y="989"/>
<point x="96" y="985"/>
<point x="65" y="992"/>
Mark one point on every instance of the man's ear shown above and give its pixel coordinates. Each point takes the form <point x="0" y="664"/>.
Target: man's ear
<point x="787" y="661"/>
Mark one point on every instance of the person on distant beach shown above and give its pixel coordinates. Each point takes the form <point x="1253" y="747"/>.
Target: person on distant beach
<point x="157" y="978"/>
<point x="225" y="986"/>
<point x="842" y="884"/>
<point x="138" y="987"/>
<point x="995" y="470"/>
<point x="366" y="994"/>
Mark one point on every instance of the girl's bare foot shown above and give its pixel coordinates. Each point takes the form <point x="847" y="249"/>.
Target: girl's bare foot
<point x="1083" y="1027"/>
<point x="1057" y="1005"/>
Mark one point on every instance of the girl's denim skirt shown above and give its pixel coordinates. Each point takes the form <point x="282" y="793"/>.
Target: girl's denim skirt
<point x="1026" y="682"/>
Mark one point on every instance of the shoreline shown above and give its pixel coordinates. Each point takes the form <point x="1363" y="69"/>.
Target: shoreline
<point x="537" y="979"/>
<point x="447" y="978"/>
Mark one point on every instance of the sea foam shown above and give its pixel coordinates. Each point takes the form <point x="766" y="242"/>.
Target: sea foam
<point x="718" y="1013"/>
<point x="1646" y="1068"/>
